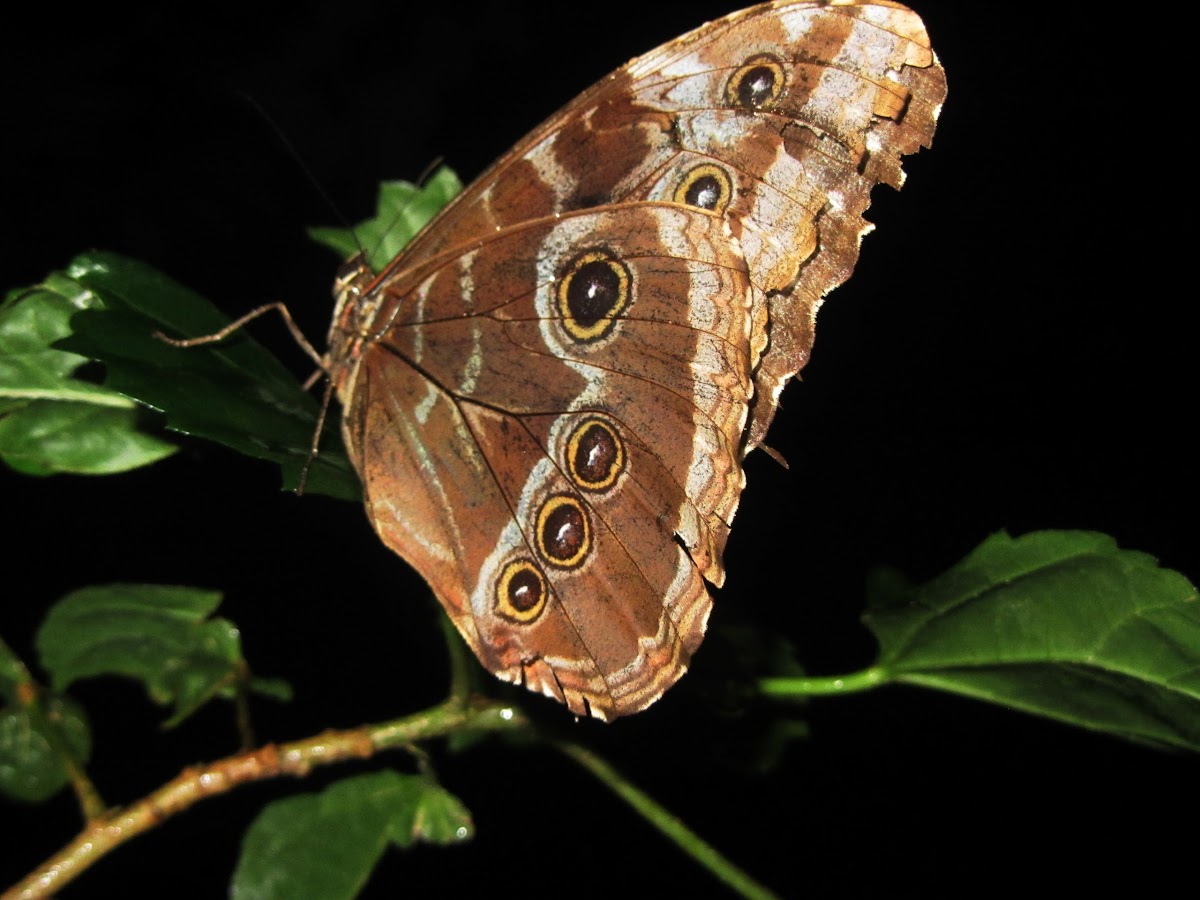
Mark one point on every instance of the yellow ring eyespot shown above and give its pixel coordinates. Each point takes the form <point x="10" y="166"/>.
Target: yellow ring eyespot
<point x="756" y="84"/>
<point x="595" y="454"/>
<point x="521" y="592"/>
<point x="705" y="187"/>
<point x="564" y="534"/>
<point x="593" y="292"/>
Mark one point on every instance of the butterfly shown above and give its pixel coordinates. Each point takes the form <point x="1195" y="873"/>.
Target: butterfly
<point x="549" y="393"/>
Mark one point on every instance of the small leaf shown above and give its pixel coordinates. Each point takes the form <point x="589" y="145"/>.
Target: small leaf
<point x="36" y="730"/>
<point x="160" y="635"/>
<point x="402" y="210"/>
<point x="30" y="769"/>
<point x="275" y="688"/>
<point x="1059" y="623"/>
<point x="324" y="846"/>
<point x="439" y="818"/>
<point x="50" y="421"/>
<point x="12" y="673"/>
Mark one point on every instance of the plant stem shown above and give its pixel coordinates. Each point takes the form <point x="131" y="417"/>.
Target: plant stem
<point x="297" y="758"/>
<point x="865" y="680"/>
<point x="460" y="666"/>
<point x="241" y="705"/>
<point x="671" y="826"/>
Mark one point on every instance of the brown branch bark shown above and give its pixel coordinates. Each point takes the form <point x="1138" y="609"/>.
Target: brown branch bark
<point x="297" y="758"/>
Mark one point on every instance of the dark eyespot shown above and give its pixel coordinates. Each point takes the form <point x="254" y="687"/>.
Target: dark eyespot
<point x="595" y="454"/>
<point x="563" y="531"/>
<point x="705" y="187"/>
<point x="593" y="291"/>
<point x="521" y="591"/>
<point x="756" y="84"/>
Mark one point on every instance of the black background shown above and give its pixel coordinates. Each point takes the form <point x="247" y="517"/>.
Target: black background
<point x="1012" y="353"/>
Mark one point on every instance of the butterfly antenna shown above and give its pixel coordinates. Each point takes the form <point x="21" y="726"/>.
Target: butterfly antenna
<point x="434" y="165"/>
<point x="292" y="152"/>
<point x="327" y="397"/>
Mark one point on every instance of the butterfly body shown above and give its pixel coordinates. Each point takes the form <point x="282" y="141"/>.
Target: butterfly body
<point x="549" y="393"/>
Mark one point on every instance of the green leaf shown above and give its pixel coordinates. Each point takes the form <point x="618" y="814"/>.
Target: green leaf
<point x="47" y="437"/>
<point x="233" y="391"/>
<point x="51" y="421"/>
<point x="402" y="210"/>
<point x="1059" y="623"/>
<point x="30" y="769"/>
<point x="36" y="730"/>
<point x="160" y="635"/>
<point x="324" y="846"/>
<point x="30" y="322"/>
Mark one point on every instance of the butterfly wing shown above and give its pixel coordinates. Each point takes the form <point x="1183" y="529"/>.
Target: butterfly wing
<point x="549" y="393"/>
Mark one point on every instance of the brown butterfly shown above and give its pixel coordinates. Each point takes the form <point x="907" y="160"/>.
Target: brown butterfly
<point x="549" y="393"/>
